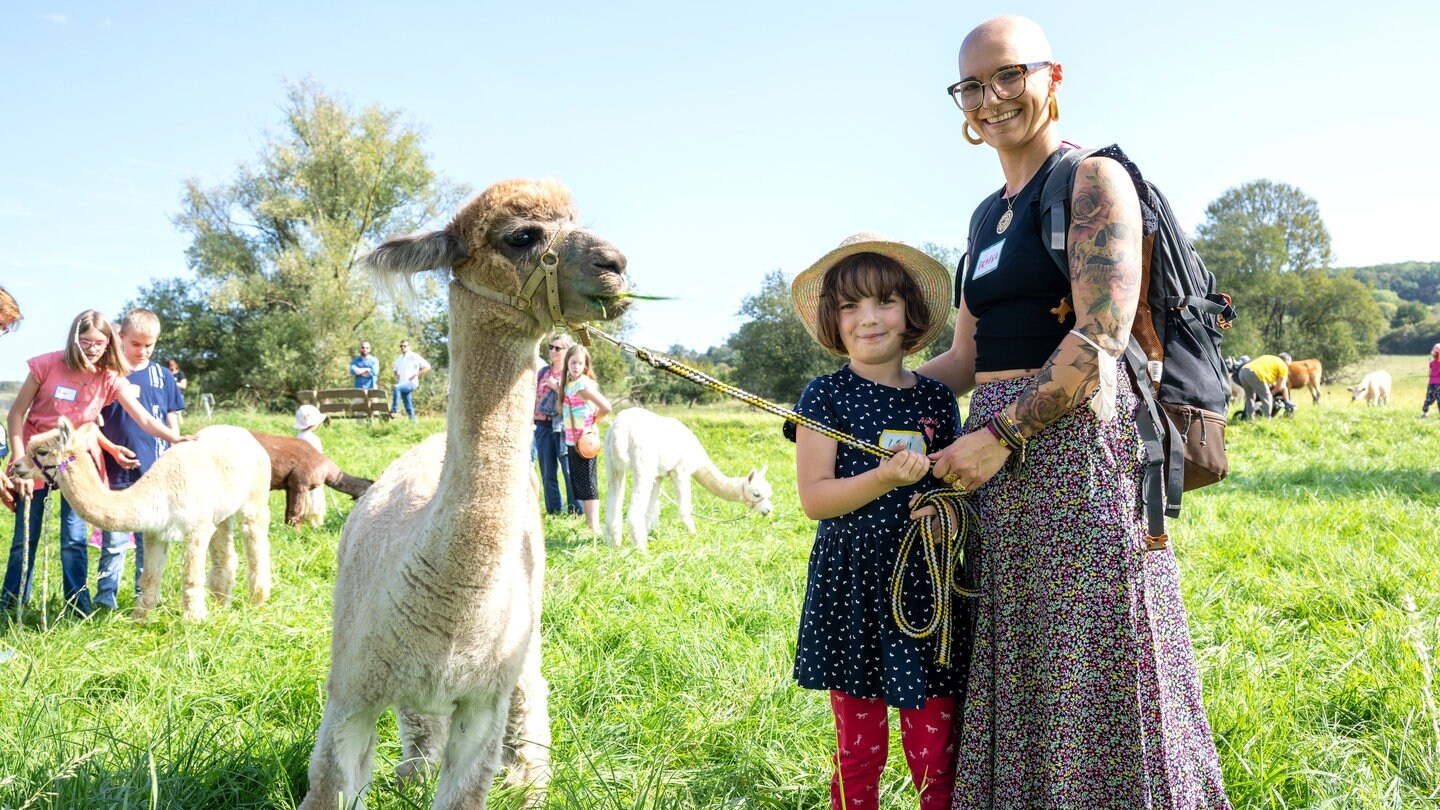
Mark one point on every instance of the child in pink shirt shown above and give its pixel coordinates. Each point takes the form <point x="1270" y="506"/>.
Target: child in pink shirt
<point x="76" y="382"/>
<point x="1432" y="391"/>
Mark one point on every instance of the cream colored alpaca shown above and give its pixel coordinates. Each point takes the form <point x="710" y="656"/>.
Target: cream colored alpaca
<point x="651" y="447"/>
<point x="192" y="495"/>
<point x="437" y="596"/>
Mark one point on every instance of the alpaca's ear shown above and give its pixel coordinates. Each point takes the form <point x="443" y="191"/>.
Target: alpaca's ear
<point x="763" y="468"/>
<point x="417" y="253"/>
<point x="65" y="430"/>
<point x="750" y="477"/>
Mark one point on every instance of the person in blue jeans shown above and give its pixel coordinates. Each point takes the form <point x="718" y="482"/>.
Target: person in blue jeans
<point x="549" y="446"/>
<point x="408" y="369"/>
<point x="130" y="450"/>
<point x="365" y="368"/>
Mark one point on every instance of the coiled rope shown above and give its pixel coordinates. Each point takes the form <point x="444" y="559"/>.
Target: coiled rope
<point x="943" y="554"/>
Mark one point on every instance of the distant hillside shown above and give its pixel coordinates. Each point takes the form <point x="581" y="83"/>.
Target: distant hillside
<point x="1412" y="281"/>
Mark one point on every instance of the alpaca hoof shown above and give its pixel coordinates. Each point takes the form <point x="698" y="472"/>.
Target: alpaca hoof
<point x="412" y="771"/>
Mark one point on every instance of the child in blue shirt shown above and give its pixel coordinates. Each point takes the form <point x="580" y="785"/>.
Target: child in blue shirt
<point x="130" y="450"/>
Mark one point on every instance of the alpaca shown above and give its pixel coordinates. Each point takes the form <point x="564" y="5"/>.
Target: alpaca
<point x="651" y="446"/>
<point x="192" y="495"/>
<point x="298" y="468"/>
<point x="437" y="593"/>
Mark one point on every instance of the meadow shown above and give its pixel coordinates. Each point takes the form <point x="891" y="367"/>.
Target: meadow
<point x="1310" y="576"/>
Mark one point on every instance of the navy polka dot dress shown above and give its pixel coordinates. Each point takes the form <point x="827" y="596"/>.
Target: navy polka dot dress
<point x="848" y="638"/>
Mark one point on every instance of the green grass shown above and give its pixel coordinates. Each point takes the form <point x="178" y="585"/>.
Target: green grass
<point x="1310" y="575"/>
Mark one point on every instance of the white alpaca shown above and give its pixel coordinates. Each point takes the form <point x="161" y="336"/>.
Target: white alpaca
<point x="190" y="497"/>
<point x="441" y="563"/>
<point x="650" y="447"/>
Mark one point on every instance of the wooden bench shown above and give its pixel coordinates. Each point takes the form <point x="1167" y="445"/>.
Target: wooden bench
<point x="357" y="403"/>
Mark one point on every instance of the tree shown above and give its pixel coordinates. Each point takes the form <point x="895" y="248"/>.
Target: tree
<point x="1263" y="227"/>
<point x="1257" y="238"/>
<point x="275" y="251"/>
<point x="774" y="355"/>
<point x="1335" y="319"/>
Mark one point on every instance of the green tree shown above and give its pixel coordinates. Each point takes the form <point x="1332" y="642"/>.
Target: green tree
<point x="1336" y="320"/>
<point x="1408" y="312"/>
<point x="774" y="355"/>
<point x="275" y="251"/>
<point x="1256" y="238"/>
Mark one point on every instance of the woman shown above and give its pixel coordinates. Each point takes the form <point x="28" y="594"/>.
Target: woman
<point x="1082" y="690"/>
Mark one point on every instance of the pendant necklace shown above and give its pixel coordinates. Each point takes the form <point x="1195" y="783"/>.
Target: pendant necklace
<point x="1007" y="216"/>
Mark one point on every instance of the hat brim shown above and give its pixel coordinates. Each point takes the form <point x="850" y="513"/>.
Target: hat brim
<point x="928" y="274"/>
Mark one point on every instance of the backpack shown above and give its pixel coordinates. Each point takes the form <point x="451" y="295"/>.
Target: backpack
<point x="1174" y="343"/>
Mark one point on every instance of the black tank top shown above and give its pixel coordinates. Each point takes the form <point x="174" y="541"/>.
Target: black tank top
<point x="1012" y="286"/>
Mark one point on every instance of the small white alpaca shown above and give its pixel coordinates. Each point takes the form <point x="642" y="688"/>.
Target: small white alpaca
<point x="190" y="497"/>
<point x="649" y="447"/>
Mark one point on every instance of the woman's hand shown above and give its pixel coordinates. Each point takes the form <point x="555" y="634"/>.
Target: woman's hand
<point x="905" y="467"/>
<point x="123" y="456"/>
<point x="7" y="492"/>
<point x="973" y="459"/>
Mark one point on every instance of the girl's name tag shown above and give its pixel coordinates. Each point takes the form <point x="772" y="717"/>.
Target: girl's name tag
<point x="65" y="394"/>
<point x="911" y="439"/>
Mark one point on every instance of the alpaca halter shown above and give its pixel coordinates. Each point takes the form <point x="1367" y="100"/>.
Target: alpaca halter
<point x="547" y="269"/>
<point x="57" y="469"/>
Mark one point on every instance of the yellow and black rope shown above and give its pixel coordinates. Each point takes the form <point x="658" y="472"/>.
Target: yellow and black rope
<point x="943" y="555"/>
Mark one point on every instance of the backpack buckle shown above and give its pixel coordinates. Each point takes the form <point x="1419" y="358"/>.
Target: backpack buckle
<point x="1157" y="543"/>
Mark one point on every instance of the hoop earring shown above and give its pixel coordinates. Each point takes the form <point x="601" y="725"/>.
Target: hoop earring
<point x="965" y="133"/>
<point x="1054" y="108"/>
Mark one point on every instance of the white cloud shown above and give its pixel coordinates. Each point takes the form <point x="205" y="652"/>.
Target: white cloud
<point x="57" y="19"/>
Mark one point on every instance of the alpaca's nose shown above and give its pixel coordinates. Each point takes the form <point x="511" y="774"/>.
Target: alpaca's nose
<point x="608" y="259"/>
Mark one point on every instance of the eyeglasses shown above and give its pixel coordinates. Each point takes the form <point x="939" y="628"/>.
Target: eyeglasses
<point x="93" y="344"/>
<point x="555" y="348"/>
<point x="1008" y="82"/>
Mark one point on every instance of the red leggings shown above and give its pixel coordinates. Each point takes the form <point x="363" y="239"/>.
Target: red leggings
<point x="862" y="728"/>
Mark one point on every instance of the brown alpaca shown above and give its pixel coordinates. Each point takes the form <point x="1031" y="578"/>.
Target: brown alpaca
<point x="437" y="594"/>
<point x="190" y="498"/>
<point x="297" y="468"/>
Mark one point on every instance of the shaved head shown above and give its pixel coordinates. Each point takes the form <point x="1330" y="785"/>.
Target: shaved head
<point x="1020" y="37"/>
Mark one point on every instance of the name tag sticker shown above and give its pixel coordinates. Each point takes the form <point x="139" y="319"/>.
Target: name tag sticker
<point x="912" y="440"/>
<point x="989" y="259"/>
<point x="65" y="394"/>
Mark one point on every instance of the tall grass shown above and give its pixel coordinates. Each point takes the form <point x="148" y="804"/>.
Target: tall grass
<point x="1310" y="576"/>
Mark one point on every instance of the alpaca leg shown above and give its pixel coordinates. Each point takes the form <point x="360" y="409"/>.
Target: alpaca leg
<point x="192" y="593"/>
<point x="340" y="764"/>
<point x="652" y="509"/>
<point x="255" y="534"/>
<point x="220" y="582"/>
<point x="294" y="501"/>
<point x="527" y="733"/>
<point x="157" y="548"/>
<point x="472" y="754"/>
<point x="614" y="498"/>
<point x="422" y="743"/>
<point x="685" y="502"/>
<point x="641" y="486"/>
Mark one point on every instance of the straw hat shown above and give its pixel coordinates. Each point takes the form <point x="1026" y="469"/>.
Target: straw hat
<point x="308" y="416"/>
<point x="929" y="275"/>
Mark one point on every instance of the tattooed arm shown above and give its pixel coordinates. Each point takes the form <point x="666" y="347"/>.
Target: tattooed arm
<point x="1104" y="249"/>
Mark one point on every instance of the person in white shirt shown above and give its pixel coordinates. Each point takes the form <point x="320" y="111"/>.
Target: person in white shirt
<point x="408" y="369"/>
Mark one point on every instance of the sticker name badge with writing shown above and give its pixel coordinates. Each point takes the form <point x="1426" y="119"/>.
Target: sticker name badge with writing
<point x="911" y="439"/>
<point x="65" y="394"/>
<point x="989" y="260"/>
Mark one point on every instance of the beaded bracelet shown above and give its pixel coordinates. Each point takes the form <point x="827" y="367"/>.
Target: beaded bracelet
<point x="1002" y="427"/>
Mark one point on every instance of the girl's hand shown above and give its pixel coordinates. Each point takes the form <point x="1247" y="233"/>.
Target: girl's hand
<point x="123" y="456"/>
<point x="182" y="439"/>
<point x="905" y="467"/>
<point x="930" y="512"/>
<point x="23" y="489"/>
<point x="7" y="492"/>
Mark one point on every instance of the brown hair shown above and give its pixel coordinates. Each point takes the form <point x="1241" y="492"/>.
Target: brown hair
<point x="111" y="360"/>
<point x="868" y="275"/>
<point x="10" y="316"/>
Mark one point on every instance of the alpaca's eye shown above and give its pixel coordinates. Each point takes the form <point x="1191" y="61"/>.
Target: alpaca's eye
<point x="520" y="239"/>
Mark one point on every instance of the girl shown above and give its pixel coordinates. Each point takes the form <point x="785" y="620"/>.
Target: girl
<point x="1082" y="690"/>
<point x="75" y="383"/>
<point x="1432" y="391"/>
<point x="582" y="406"/>
<point x="874" y="301"/>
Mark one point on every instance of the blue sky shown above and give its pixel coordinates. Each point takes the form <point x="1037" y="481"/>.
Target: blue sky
<point x="712" y="142"/>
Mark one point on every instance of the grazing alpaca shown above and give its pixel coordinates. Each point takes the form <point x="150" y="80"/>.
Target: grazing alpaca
<point x="437" y="595"/>
<point x="190" y="497"/>
<point x="650" y="447"/>
<point x="298" y="468"/>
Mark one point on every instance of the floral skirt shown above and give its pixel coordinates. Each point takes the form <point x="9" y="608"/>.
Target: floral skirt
<point x="1082" y="690"/>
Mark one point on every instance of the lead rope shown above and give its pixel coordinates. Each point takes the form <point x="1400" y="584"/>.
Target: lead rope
<point x="943" y="556"/>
